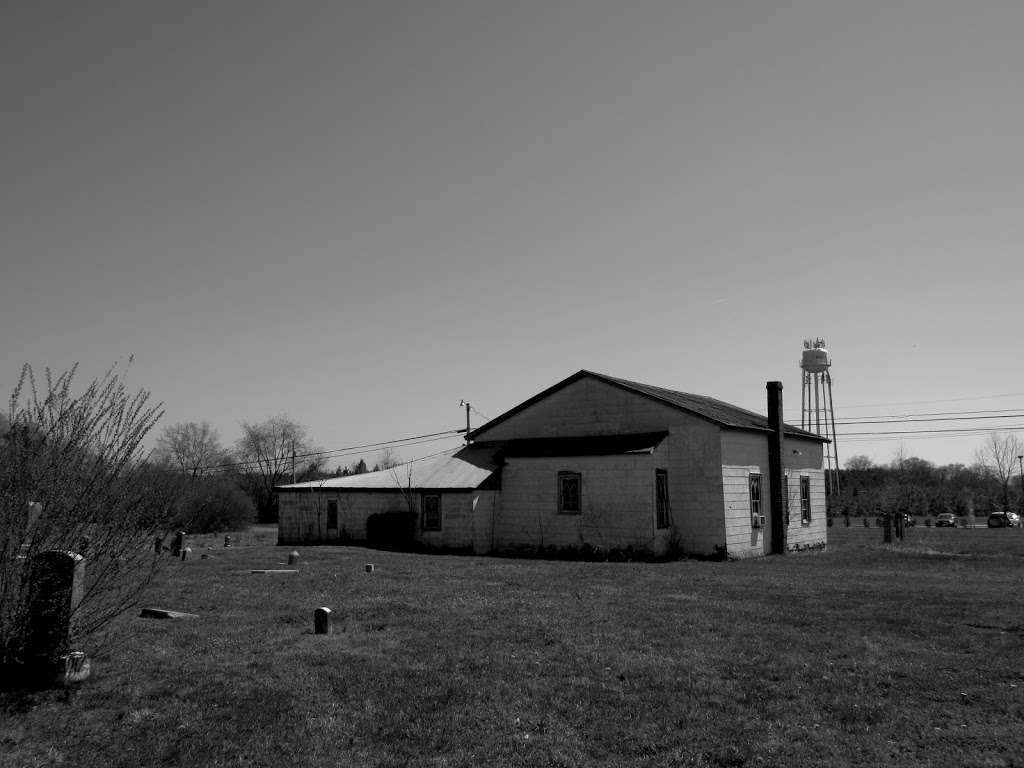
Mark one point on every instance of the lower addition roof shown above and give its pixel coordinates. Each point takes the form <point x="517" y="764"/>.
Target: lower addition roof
<point x="477" y="466"/>
<point x="463" y="469"/>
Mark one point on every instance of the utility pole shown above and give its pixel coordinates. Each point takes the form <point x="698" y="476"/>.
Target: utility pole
<point x="466" y="403"/>
<point x="293" y="462"/>
<point x="1020" y="462"/>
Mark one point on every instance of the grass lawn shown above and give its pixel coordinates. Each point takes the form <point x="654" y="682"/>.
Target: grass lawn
<point x="867" y="655"/>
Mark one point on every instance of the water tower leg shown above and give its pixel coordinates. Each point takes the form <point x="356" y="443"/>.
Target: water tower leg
<point x="803" y="401"/>
<point x="835" y="441"/>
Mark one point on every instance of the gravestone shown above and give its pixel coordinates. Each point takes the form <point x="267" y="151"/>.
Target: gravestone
<point x="186" y="553"/>
<point x="56" y="585"/>
<point x="322" y="621"/>
<point x="293" y="557"/>
<point x="179" y="543"/>
<point x="227" y="541"/>
<point x="75" y="668"/>
<point x="35" y="509"/>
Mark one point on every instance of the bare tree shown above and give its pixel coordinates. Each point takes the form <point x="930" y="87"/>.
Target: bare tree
<point x="998" y="456"/>
<point x="73" y="477"/>
<point x="388" y="459"/>
<point x="190" y="447"/>
<point x="899" y="458"/>
<point x="267" y="453"/>
<point x="406" y="490"/>
<point x="858" y="464"/>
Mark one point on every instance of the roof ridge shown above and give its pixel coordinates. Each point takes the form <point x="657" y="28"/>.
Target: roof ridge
<point x="653" y="390"/>
<point x="712" y="409"/>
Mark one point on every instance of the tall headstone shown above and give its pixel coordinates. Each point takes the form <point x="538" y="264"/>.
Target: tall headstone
<point x="56" y="585"/>
<point x="293" y="557"/>
<point x="179" y="543"/>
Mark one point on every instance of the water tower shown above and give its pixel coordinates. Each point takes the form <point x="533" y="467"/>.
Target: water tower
<point x="816" y="406"/>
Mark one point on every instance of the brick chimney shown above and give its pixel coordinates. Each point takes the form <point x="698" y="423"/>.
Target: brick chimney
<point x="775" y="471"/>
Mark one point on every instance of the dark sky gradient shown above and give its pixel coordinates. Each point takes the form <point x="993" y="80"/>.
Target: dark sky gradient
<point x="360" y="213"/>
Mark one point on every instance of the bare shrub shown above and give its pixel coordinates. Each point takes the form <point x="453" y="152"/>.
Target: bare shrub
<point x="73" y="477"/>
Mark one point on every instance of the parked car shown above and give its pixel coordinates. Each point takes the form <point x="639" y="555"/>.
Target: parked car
<point x="1004" y="520"/>
<point x="946" y="520"/>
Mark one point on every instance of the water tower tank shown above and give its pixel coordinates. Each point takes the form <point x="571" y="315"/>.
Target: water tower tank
<point x="815" y="360"/>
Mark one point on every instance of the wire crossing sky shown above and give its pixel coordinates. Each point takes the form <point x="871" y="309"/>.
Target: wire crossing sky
<point x="361" y="214"/>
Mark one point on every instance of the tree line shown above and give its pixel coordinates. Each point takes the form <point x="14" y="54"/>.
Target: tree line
<point x="911" y="485"/>
<point x="227" y="488"/>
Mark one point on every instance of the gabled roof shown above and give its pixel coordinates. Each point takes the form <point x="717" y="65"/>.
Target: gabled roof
<point x="463" y="469"/>
<point x="721" y="413"/>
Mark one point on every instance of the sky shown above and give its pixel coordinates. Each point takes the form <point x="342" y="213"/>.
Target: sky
<point x="360" y="214"/>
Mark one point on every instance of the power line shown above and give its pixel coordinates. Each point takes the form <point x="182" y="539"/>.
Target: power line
<point x="962" y="430"/>
<point x="945" y="400"/>
<point x="338" y="455"/>
<point x="909" y="420"/>
<point x="936" y="413"/>
<point x="337" y="452"/>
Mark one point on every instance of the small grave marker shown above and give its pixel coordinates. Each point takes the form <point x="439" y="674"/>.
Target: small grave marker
<point x="227" y="542"/>
<point x="293" y="557"/>
<point x="322" y="621"/>
<point x="369" y="567"/>
<point x="75" y="668"/>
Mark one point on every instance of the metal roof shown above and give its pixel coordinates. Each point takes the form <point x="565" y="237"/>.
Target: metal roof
<point x="465" y="468"/>
<point x="721" y="413"/>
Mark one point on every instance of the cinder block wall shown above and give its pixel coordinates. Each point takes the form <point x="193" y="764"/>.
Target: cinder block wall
<point x="302" y="520"/>
<point x="692" y="455"/>
<point x="456" y="522"/>
<point x="485" y="507"/>
<point x="302" y="515"/>
<point x="617" y="501"/>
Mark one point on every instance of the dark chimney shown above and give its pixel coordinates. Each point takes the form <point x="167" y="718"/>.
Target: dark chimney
<point x="777" y="477"/>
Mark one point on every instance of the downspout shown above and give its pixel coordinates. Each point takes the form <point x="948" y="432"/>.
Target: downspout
<point x="775" y="471"/>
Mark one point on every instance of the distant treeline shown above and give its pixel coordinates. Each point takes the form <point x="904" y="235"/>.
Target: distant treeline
<point x="918" y="487"/>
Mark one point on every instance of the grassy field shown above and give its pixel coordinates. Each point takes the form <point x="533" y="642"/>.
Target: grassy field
<point x="867" y="655"/>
